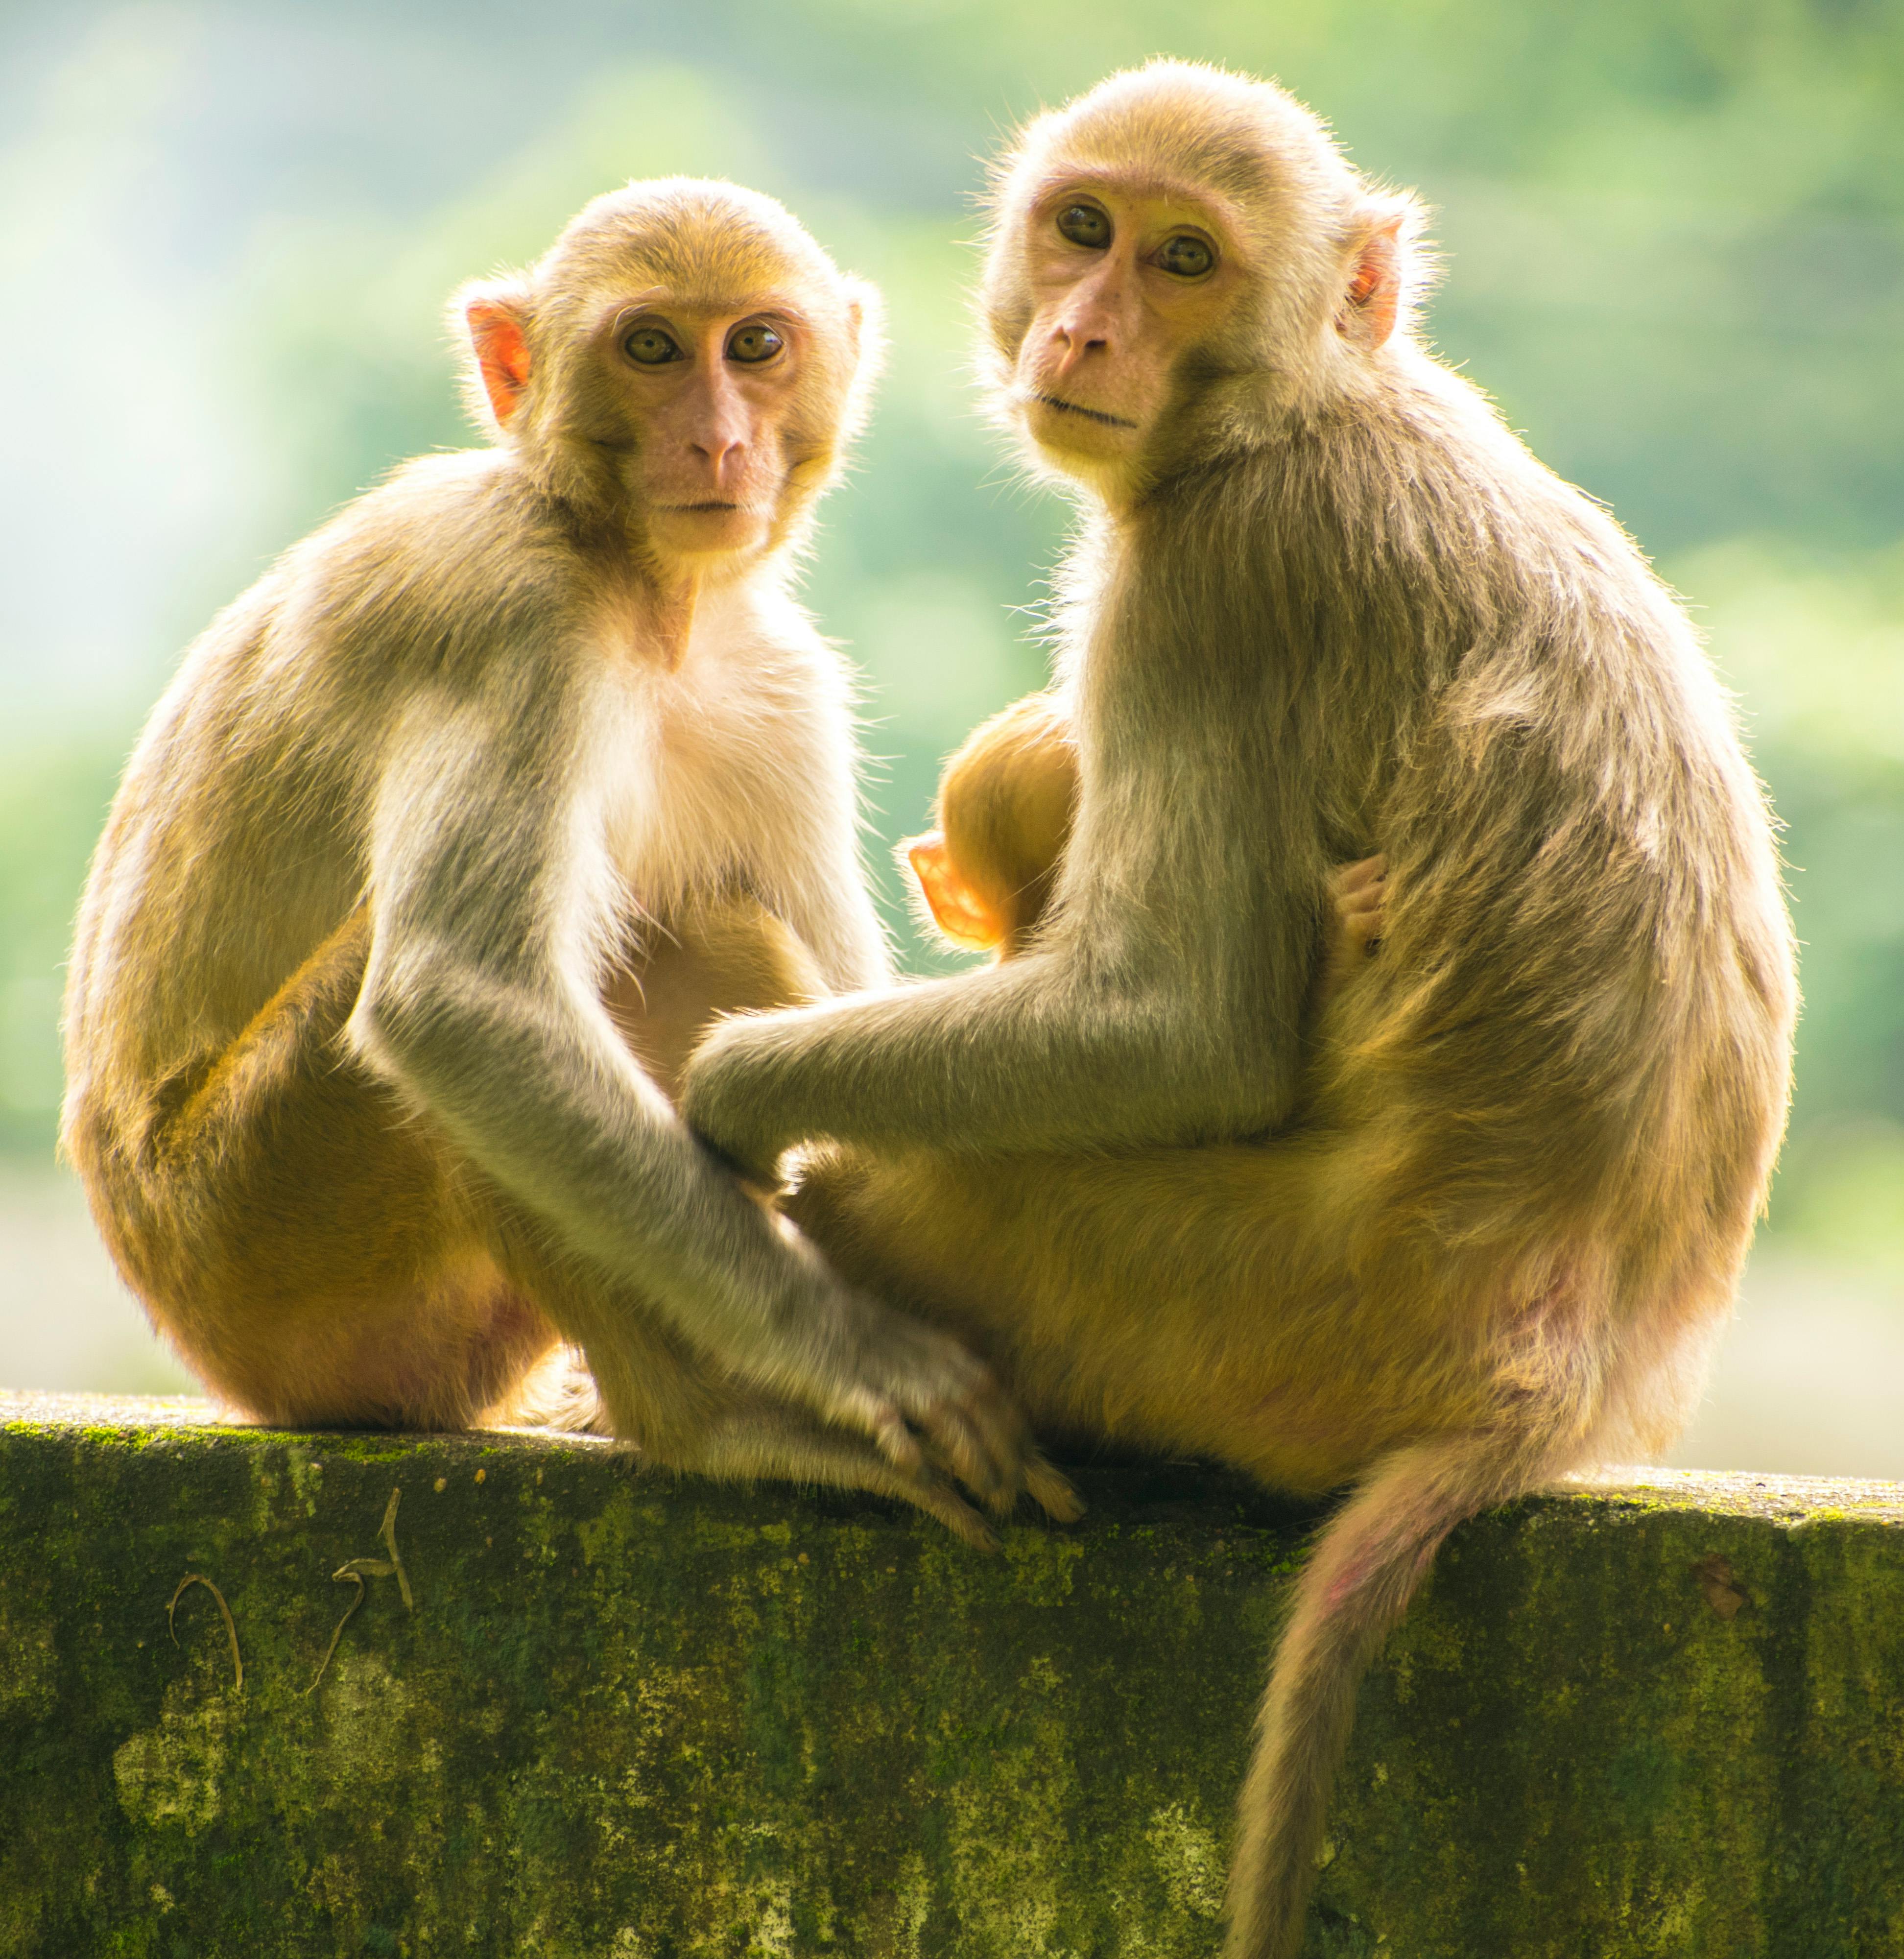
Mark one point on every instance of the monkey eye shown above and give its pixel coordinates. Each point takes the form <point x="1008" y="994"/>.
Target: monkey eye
<point x="648" y="347"/>
<point x="1085" y="224"/>
<point x="752" y="343"/>
<point x="1185" y="257"/>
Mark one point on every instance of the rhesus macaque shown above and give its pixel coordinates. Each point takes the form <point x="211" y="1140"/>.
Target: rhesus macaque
<point x="1004" y="815"/>
<point x="1004" y="809"/>
<point x="529" y="745"/>
<point x="1480" y="1228"/>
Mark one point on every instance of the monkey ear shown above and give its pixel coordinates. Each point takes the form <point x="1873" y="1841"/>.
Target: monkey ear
<point x="502" y="351"/>
<point x="1373" y="302"/>
<point x="962" y="916"/>
<point x="866" y="311"/>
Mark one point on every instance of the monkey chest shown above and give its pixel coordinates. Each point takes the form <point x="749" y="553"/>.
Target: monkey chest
<point x="699" y="783"/>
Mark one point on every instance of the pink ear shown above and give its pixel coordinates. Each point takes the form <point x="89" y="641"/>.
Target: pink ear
<point x="502" y="353"/>
<point x="963" y="916"/>
<point x="1374" y="297"/>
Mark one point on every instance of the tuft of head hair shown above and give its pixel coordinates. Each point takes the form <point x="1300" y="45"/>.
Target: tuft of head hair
<point x="706" y="243"/>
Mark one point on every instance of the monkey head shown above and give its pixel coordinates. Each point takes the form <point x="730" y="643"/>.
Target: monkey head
<point x="685" y="361"/>
<point x="1174" y="259"/>
<point x="1004" y="812"/>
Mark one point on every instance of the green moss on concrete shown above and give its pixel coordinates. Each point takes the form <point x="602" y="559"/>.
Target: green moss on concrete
<point x="636" y="1718"/>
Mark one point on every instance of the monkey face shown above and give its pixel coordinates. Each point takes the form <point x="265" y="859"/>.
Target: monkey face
<point x="1126" y="276"/>
<point x="684" y="365"/>
<point x="709" y="397"/>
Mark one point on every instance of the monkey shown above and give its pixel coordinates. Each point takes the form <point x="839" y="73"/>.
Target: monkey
<point x="1479" y="1226"/>
<point x="1004" y="807"/>
<point x="397" y="892"/>
<point x="1004" y="817"/>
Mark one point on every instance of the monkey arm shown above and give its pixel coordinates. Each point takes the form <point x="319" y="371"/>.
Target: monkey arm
<point x="1030" y="1055"/>
<point x="488" y="905"/>
<point x="1138" y="1017"/>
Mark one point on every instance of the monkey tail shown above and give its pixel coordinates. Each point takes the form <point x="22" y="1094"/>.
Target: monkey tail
<point x="1370" y="1561"/>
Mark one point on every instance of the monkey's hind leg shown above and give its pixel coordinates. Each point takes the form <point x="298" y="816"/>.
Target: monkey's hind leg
<point x="305" y="1243"/>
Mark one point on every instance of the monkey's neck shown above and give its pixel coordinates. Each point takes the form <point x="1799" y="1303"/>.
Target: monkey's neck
<point x="668" y="604"/>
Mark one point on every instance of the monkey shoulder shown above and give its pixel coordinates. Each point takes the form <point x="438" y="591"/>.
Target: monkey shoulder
<point x="443" y="541"/>
<point x="451" y="561"/>
<point x="265" y="749"/>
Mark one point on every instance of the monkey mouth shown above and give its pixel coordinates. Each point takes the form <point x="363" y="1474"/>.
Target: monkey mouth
<point x="699" y="509"/>
<point x="1089" y="414"/>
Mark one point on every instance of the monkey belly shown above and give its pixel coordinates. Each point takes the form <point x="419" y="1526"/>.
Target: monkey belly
<point x="726" y="953"/>
<point x="1203" y="1300"/>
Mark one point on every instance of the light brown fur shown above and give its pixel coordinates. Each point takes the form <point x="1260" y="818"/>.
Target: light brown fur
<point x="529" y="750"/>
<point x="1005" y="813"/>
<point x="1480" y="1225"/>
<point x="1004" y="805"/>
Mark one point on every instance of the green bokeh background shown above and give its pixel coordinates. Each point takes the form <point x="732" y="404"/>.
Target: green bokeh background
<point x="1673" y="237"/>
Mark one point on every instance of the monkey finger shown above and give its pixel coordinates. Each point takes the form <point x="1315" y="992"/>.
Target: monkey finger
<point x="955" y="1443"/>
<point x="1355" y="877"/>
<point x="1001" y="1443"/>
<point x="938" y="1499"/>
<point x="882" y="1420"/>
<point x="994" y="1473"/>
<point x="1051" y="1491"/>
<point x="956" y="1403"/>
<point x="1034" y="1476"/>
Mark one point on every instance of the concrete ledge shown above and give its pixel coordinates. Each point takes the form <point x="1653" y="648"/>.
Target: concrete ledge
<point x="632" y="1717"/>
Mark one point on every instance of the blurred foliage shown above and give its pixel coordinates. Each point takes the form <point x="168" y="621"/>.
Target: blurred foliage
<point x="1673" y="232"/>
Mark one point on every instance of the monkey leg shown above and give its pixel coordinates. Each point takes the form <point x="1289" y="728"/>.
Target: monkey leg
<point x="1219" y="1301"/>
<point x="1249" y="1303"/>
<point x="646" y="1386"/>
<point x="320" y="1256"/>
<point x="316" y="1252"/>
<point x="309" y="1245"/>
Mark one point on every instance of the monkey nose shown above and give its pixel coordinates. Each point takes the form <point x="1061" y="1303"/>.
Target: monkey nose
<point x="723" y="456"/>
<point x="1078" y="339"/>
<point x="1068" y="350"/>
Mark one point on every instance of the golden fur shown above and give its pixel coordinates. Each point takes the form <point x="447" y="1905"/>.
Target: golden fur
<point x="1479" y="1225"/>
<point x="422" y="814"/>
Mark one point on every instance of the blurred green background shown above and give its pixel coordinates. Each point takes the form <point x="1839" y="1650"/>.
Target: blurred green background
<point x="1673" y="232"/>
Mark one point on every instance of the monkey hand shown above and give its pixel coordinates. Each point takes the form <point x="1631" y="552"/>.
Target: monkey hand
<point x="734" y="1098"/>
<point x="1358" y="897"/>
<point x="936" y="1413"/>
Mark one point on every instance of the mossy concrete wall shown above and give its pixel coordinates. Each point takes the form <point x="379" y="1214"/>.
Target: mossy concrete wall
<point x="628" y="1717"/>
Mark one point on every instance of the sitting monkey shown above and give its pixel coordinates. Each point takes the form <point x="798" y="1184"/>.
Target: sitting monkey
<point x="367" y="943"/>
<point x="1479" y="1225"/>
